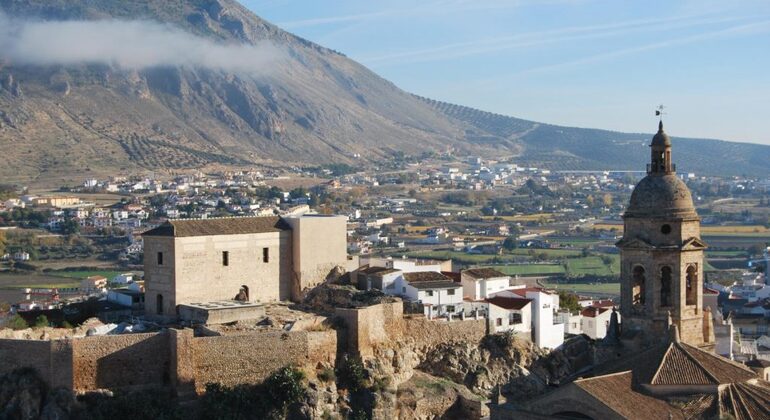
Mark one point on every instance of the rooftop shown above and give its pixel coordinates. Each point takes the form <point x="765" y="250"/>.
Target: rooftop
<point x="483" y="273"/>
<point x="219" y="226"/>
<point x="509" y="303"/>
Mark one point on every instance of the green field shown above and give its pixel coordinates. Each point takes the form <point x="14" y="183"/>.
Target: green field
<point x="10" y="281"/>
<point x="87" y="273"/>
<point x="593" y="266"/>
<point x="549" y="252"/>
<point x="530" y="269"/>
<point x="587" y="288"/>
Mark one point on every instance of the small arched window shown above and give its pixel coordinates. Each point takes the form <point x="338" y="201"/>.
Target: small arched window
<point x="692" y="285"/>
<point x="665" y="286"/>
<point x="638" y="286"/>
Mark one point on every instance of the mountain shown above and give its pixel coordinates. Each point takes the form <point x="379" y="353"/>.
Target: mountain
<point x="62" y="121"/>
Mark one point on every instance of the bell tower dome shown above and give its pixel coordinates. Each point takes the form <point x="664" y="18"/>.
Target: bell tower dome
<point x="661" y="254"/>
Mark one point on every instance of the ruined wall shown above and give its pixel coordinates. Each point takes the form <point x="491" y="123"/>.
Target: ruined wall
<point x="52" y="359"/>
<point x="367" y="327"/>
<point x="233" y="360"/>
<point x="384" y="323"/>
<point x="428" y="333"/>
<point x="120" y="361"/>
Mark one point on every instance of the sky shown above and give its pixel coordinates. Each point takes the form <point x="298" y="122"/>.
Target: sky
<point x="586" y="63"/>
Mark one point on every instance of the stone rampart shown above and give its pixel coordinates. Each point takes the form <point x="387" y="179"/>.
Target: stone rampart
<point x="233" y="360"/>
<point x="385" y="323"/>
<point x="52" y="359"/>
<point x="120" y="361"/>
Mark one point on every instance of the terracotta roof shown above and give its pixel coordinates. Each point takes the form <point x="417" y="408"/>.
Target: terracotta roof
<point x="523" y="291"/>
<point x="509" y="303"/>
<point x="219" y="226"/>
<point x="452" y="275"/>
<point x="373" y="270"/>
<point x="603" y="303"/>
<point x="593" y="311"/>
<point x="483" y="273"/>
<point x="616" y="393"/>
<point x="746" y="401"/>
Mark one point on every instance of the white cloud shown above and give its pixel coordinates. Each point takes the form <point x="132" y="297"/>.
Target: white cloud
<point x="127" y="44"/>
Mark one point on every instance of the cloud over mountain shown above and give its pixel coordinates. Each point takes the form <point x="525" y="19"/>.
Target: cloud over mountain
<point x="131" y="44"/>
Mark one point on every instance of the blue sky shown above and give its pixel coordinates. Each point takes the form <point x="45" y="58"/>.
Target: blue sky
<point x="586" y="63"/>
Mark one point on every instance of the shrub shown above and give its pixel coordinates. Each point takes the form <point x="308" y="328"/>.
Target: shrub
<point x="327" y="375"/>
<point x="351" y="373"/>
<point x="41" y="321"/>
<point x="17" y="323"/>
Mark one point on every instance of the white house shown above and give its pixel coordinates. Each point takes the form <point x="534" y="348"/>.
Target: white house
<point x="596" y="320"/>
<point x="510" y="314"/>
<point x="481" y="283"/>
<point x="123" y="279"/>
<point x="549" y="332"/>
<point x="438" y="293"/>
<point x="572" y="322"/>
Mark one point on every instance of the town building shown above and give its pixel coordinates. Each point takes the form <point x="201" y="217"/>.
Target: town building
<point x="482" y="283"/>
<point x="270" y="258"/>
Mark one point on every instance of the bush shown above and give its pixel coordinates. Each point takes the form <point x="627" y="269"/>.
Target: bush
<point x="17" y="323"/>
<point x="41" y="321"/>
<point x="327" y="375"/>
<point x="351" y="373"/>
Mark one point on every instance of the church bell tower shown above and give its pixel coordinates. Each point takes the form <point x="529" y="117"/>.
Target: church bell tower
<point x="661" y="256"/>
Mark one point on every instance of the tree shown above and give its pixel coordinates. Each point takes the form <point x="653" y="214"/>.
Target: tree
<point x="3" y="242"/>
<point x="510" y="243"/>
<point x="569" y="301"/>
<point x="607" y="200"/>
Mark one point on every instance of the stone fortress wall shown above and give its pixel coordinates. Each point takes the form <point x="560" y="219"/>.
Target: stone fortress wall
<point x="178" y="360"/>
<point x="172" y="358"/>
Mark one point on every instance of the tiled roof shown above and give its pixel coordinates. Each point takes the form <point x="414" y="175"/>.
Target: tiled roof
<point x="509" y="303"/>
<point x="427" y="285"/>
<point x="219" y="226"/>
<point x="746" y="401"/>
<point x="592" y="311"/>
<point x="483" y="273"/>
<point x="615" y="391"/>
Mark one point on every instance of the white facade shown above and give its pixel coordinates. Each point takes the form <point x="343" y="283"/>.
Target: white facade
<point x="548" y="333"/>
<point x="596" y="321"/>
<point x="572" y="322"/>
<point x="482" y="288"/>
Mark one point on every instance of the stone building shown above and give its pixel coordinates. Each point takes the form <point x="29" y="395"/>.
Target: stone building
<point x="256" y="259"/>
<point x="660" y="364"/>
<point x="661" y="254"/>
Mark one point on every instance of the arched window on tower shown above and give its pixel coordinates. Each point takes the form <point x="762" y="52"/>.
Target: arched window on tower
<point x="665" y="286"/>
<point x="637" y="288"/>
<point x="159" y="304"/>
<point x="692" y="285"/>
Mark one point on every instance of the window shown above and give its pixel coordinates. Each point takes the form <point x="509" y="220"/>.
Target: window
<point x="450" y="292"/>
<point x="499" y="322"/>
<point x="225" y="258"/>
<point x="665" y="229"/>
<point x="265" y="254"/>
<point x="159" y="303"/>
<point x="429" y="293"/>
<point x="692" y="285"/>
<point x="638" y="289"/>
<point x="450" y="308"/>
<point x="665" y="286"/>
<point x="515" y="318"/>
<point x="160" y="258"/>
<point x="403" y="289"/>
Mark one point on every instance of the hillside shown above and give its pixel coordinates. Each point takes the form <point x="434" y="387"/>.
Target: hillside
<point x="570" y="148"/>
<point x="62" y="119"/>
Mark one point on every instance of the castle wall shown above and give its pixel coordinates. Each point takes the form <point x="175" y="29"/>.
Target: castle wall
<point x="120" y="361"/>
<point x="382" y="324"/>
<point x="233" y="360"/>
<point x="319" y="245"/>
<point x="52" y="359"/>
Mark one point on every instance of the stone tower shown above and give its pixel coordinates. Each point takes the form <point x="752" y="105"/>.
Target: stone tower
<point x="661" y="256"/>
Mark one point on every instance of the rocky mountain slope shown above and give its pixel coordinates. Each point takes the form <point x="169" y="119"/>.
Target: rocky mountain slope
<point x="64" y="121"/>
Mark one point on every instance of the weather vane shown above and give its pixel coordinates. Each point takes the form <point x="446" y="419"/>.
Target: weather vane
<point x="659" y="111"/>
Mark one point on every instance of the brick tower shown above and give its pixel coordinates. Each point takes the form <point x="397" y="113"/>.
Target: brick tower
<point x="661" y="256"/>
